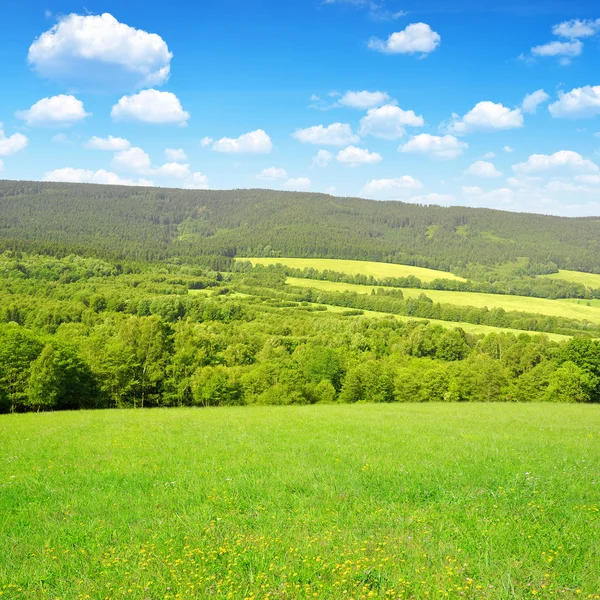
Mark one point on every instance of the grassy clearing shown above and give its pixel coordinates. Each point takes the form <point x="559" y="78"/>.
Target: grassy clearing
<point x="590" y="280"/>
<point x="356" y="267"/>
<point x="363" y="501"/>
<point x="467" y="327"/>
<point x="556" y="308"/>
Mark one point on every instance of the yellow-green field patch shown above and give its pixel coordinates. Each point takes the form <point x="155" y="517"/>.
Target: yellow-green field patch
<point x="552" y="308"/>
<point x="471" y="328"/>
<point x="356" y="267"/>
<point x="591" y="280"/>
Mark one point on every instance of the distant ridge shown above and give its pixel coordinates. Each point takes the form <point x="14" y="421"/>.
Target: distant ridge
<point x="144" y="223"/>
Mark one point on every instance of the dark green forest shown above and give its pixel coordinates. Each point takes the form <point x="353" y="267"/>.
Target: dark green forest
<point x="117" y="297"/>
<point x="146" y="224"/>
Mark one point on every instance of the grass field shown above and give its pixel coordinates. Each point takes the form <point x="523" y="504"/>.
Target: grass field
<point x="556" y="308"/>
<point x="590" y="280"/>
<point x="467" y="327"/>
<point x="356" y="267"/>
<point x="364" y="501"/>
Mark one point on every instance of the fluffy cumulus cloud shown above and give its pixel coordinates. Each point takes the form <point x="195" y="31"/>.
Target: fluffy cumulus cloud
<point x="353" y="156"/>
<point x="364" y="100"/>
<point x="173" y="169"/>
<point x="272" y="174"/>
<point x="577" y="28"/>
<point x="391" y="188"/>
<point x="71" y="175"/>
<point x="196" y="182"/>
<point x="98" y="51"/>
<point x="336" y="134"/>
<point x="533" y="100"/>
<point x="388" y="122"/>
<point x="417" y="38"/>
<point x="13" y="144"/>
<point x="57" y="111"/>
<point x="152" y="107"/>
<point x="175" y="155"/>
<point x="567" y="49"/>
<point x="486" y="116"/>
<point x="110" y="143"/>
<point x="206" y="141"/>
<point x="298" y="184"/>
<point x="322" y="159"/>
<point x="133" y="160"/>
<point x="579" y="103"/>
<point x="437" y="147"/>
<point x="482" y="168"/>
<point x="564" y="159"/>
<point x="254" y="142"/>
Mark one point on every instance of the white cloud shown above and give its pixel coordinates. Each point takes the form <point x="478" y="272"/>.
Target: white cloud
<point x="175" y="155"/>
<point x="501" y="197"/>
<point x="556" y="48"/>
<point x="207" y="141"/>
<point x="489" y="155"/>
<point x="508" y="149"/>
<point x="13" y="144"/>
<point x="390" y="188"/>
<point x="133" y="160"/>
<point x="173" y="169"/>
<point x="71" y="175"/>
<point x="533" y="100"/>
<point x="576" y="28"/>
<point x="299" y="184"/>
<point x="98" y="51"/>
<point x="486" y="116"/>
<point x="113" y="144"/>
<point x="355" y="157"/>
<point x="388" y="122"/>
<point x="322" y="159"/>
<point x="151" y="106"/>
<point x="416" y="38"/>
<point x="336" y="134"/>
<point x="330" y="190"/>
<point x="482" y="168"/>
<point x="61" y="110"/>
<point x="272" y="174"/>
<point x="254" y="142"/>
<point x="437" y="147"/>
<point x="196" y="182"/>
<point x="364" y="99"/>
<point x="1" y="166"/>
<point x="583" y="102"/>
<point x="565" y="159"/>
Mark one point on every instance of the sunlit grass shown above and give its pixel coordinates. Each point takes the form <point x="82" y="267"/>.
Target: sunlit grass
<point x="555" y="308"/>
<point x="364" y="501"/>
<point x="356" y="267"/>
<point x="590" y="280"/>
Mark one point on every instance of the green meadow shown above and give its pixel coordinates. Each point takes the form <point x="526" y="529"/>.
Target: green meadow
<point x="472" y="328"/>
<point x="557" y="308"/>
<point x="590" y="280"/>
<point x="356" y="267"/>
<point x="364" y="501"/>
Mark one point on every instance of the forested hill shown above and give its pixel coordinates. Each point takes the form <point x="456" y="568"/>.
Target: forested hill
<point x="119" y="222"/>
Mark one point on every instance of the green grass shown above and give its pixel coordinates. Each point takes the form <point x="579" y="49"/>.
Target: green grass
<point x="356" y="267"/>
<point x="556" y="308"/>
<point x="364" y="501"/>
<point x="472" y="328"/>
<point x="590" y="280"/>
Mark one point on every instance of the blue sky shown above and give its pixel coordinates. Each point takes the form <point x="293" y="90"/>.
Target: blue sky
<point x="416" y="101"/>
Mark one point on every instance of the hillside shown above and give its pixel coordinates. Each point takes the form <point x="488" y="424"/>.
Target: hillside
<point x="116" y="222"/>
